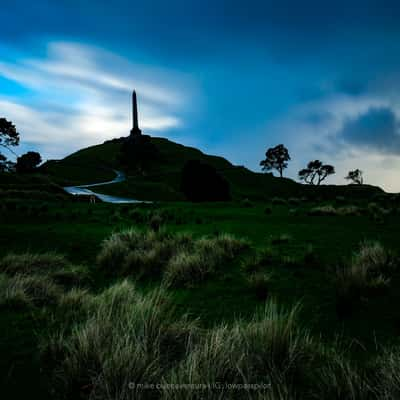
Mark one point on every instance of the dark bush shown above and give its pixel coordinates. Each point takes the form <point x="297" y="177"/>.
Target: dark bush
<point x="201" y="182"/>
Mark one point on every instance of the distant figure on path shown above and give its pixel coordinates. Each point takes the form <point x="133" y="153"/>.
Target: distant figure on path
<point x="92" y="199"/>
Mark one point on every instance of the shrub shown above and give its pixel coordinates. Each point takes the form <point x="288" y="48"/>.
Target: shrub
<point x="202" y="182"/>
<point x="259" y="283"/>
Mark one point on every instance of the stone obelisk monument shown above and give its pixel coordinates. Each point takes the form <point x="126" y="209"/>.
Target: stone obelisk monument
<point x="135" y="131"/>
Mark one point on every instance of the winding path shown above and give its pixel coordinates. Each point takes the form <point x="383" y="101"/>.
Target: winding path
<point x="82" y="190"/>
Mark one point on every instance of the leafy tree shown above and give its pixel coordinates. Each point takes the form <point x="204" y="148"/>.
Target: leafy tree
<point x="276" y="158"/>
<point x="5" y="166"/>
<point x="8" y="134"/>
<point x="355" y="176"/>
<point x="28" y="162"/>
<point x="201" y="182"/>
<point x="316" y="172"/>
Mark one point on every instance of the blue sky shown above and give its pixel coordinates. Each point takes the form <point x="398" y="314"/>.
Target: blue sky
<point x="229" y="77"/>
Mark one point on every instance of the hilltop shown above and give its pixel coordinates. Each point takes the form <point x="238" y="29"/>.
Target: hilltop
<point x="161" y="180"/>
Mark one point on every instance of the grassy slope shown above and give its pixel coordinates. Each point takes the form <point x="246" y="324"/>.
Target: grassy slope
<point x="162" y="180"/>
<point x="77" y="229"/>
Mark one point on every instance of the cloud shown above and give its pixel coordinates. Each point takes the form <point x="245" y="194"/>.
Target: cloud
<point x="82" y="96"/>
<point x="377" y="130"/>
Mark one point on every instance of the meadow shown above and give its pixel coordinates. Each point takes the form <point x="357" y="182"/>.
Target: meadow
<point x="298" y="294"/>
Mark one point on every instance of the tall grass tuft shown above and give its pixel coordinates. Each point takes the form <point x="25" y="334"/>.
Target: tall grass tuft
<point x="22" y="290"/>
<point x="182" y="259"/>
<point x="28" y="263"/>
<point x="368" y="272"/>
<point x="388" y="374"/>
<point x="269" y="350"/>
<point x="129" y="338"/>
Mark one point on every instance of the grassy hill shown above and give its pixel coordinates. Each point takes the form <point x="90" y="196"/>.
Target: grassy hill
<point x="161" y="181"/>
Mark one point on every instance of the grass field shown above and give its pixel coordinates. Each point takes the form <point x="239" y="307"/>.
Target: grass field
<point x="289" y="285"/>
<point x="294" y="248"/>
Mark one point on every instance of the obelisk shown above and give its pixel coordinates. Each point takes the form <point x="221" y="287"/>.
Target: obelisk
<point x="135" y="131"/>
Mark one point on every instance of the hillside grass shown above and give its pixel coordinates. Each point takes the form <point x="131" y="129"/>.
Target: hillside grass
<point x="162" y="179"/>
<point x="293" y="257"/>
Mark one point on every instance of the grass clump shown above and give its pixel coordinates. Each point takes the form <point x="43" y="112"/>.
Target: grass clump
<point x="129" y="338"/>
<point x="182" y="259"/>
<point x="269" y="350"/>
<point x="278" y="201"/>
<point x="327" y="210"/>
<point x="369" y="272"/>
<point x="204" y="259"/>
<point x="140" y="253"/>
<point x="28" y="263"/>
<point x="24" y="291"/>
<point x="259" y="260"/>
<point x="388" y="374"/>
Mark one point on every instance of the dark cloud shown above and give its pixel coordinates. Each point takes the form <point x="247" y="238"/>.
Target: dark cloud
<point x="377" y="130"/>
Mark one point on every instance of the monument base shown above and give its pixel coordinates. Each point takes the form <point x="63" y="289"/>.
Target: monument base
<point x="135" y="132"/>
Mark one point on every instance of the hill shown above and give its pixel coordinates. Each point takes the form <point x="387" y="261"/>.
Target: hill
<point x="161" y="181"/>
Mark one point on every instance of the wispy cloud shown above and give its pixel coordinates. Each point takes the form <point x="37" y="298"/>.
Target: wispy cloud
<point x="82" y="97"/>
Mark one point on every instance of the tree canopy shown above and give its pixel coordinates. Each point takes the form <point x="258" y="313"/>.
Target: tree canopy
<point x="8" y="134"/>
<point x="201" y="182"/>
<point x="28" y="162"/>
<point x="316" y="172"/>
<point x="276" y="158"/>
<point x="355" y="176"/>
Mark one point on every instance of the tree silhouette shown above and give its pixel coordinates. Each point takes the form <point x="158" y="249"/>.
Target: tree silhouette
<point x="28" y="162"/>
<point x="355" y="176"/>
<point x="202" y="182"/>
<point x="276" y="158"/>
<point x="8" y="134"/>
<point x="5" y="165"/>
<point x="316" y="172"/>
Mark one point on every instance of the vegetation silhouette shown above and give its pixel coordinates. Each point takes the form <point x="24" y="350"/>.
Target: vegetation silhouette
<point x="355" y="176"/>
<point x="28" y="162"/>
<point x="201" y="182"/>
<point x="316" y="172"/>
<point x="276" y="158"/>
